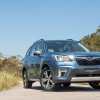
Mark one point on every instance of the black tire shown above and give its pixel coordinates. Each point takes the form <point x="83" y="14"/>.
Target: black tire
<point x="26" y="83"/>
<point x="95" y="85"/>
<point x="62" y="85"/>
<point x="46" y="81"/>
<point x="65" y="85"/>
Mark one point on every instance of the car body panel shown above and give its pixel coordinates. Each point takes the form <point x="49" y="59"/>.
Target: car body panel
<point x="34" y="65"/>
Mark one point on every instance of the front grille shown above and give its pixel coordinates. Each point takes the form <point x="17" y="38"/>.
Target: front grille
<point x="88" y="61"/>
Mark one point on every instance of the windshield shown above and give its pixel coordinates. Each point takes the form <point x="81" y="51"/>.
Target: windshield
<point x="65" y="46"/>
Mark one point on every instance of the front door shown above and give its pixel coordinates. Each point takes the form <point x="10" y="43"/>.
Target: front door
<point x="35" y="60"/>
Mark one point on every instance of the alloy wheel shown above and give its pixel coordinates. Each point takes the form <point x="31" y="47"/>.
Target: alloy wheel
<point x="46" y="80"/>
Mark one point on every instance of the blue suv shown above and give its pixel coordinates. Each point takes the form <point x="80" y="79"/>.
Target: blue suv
<point x="58" y="63"/>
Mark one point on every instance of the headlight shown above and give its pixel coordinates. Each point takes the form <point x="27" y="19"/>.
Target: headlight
<point x="64" y="58"/>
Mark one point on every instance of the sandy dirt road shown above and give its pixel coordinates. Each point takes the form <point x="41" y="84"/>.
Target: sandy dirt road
<point x="74" y="92"/>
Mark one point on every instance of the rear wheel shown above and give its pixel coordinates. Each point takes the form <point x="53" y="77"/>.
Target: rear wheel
<point x="26" y="82"/>
<point x="95" y="85"/>
<point x="46" y="80"/>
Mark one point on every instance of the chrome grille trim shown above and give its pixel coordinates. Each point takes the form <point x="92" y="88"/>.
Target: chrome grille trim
<point x="88" y="60"/>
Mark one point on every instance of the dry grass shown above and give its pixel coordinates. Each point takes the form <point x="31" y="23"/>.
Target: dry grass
<point x="10" y="72"/>
<point x="7" y="80"/>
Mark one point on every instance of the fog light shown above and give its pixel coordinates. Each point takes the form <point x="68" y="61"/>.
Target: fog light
<point x="61" y="73"/>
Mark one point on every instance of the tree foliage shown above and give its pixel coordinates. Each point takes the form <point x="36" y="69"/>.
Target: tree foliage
<point x="92" y="41"/>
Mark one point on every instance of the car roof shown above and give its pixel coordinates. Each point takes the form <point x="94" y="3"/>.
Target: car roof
<point x="67" y="40"/>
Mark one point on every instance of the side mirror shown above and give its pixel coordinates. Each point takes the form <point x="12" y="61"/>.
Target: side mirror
<point x="37" y="53"/>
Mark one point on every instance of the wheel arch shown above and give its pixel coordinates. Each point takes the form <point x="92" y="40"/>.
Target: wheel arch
<point x="45" y="66"/>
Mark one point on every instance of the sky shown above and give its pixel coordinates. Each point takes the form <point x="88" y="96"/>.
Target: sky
<point x="24" y="21"/>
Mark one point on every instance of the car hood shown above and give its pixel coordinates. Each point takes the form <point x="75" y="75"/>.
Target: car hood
<point x="80" y="54"/>
<point x="90" y="54"/>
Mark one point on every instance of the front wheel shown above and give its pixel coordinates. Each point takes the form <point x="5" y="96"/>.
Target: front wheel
<point x="95" y="85"/>
<point x="46" y="80"/>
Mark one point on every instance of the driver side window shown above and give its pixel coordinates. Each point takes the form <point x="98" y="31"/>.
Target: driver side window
<point x="36" y="47"/>
<point x="39" y="47"/>
<point x="33" y="49"/>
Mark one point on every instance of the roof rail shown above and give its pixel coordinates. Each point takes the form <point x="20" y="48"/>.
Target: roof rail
<point x="70" y="39"/>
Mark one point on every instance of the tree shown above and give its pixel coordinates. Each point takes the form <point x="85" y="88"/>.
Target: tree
<point x="92" y="41"/>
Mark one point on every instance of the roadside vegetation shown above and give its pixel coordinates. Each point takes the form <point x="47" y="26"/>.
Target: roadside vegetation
<point x="92" y="41"/>
<point x="9" y="72"/>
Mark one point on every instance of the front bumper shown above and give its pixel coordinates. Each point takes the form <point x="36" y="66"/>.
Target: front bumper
<point x="85" y="79"/>
<point x="77" y="74"/>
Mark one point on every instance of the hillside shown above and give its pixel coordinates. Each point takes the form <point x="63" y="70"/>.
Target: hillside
<point x="92" y="41"/>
